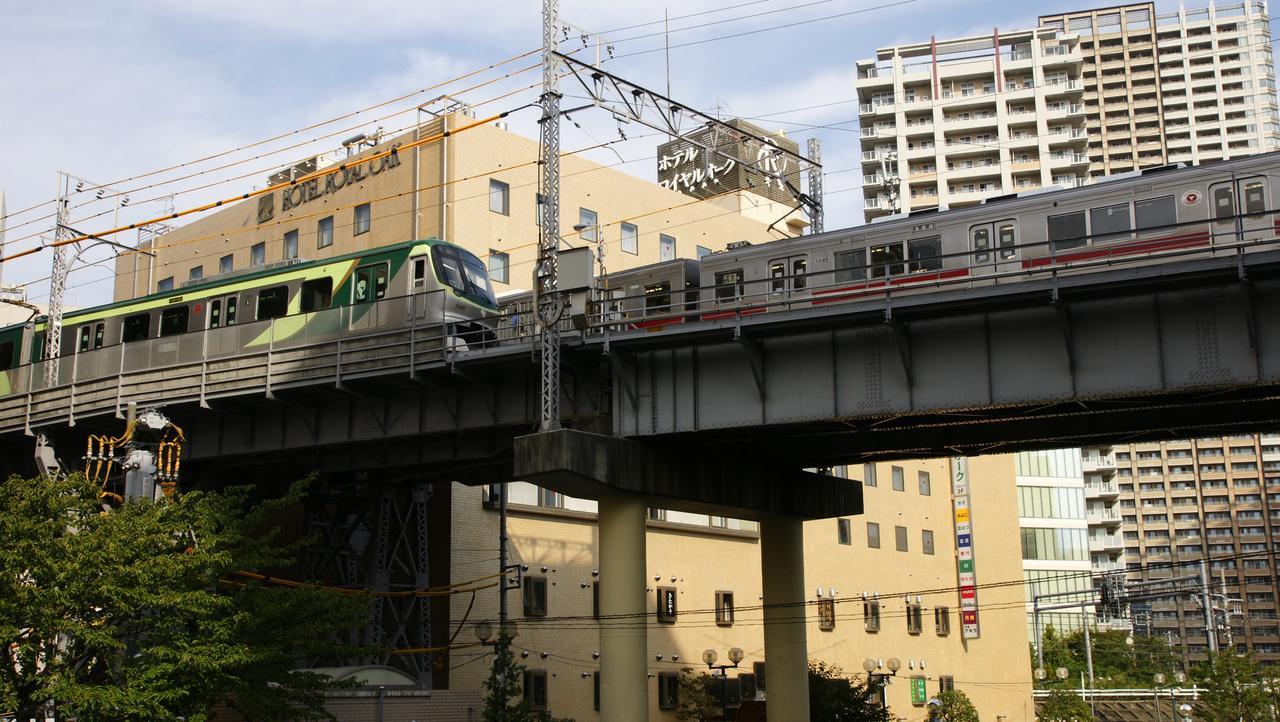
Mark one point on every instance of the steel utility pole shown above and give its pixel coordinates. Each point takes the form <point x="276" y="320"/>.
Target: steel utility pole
<point x="815" y="184"/>
<point x="547" y="267"/>
<point x="57" y="284"/>
<point x="1210" y="624"/>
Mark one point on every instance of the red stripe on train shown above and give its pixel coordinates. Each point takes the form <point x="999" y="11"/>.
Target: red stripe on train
<point x="850" y="292"/>
<point x="658" y="324"/>
<point x="1276" y="225"/>
<point x="1186" y="240"/>
<point x="719" y="315"/>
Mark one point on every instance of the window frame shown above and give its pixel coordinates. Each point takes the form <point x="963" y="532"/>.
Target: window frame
<point x="893" y="265"/>
<point x="1141" y="208"/>
<point x="171" y="315"/>
<point x="921" y="263"/>
<point x="668" y="690"/>
<point x="196" y="273"/>
<point x="503" y="195"/>
<point x="258" y="254"/>
<point x="873" y="535"/>
<point x="227" y="263"/>
<point x="724" y="608"/>
<point x="289" y="245"/>
<point x="666" y="245"/>
<point x="915" y="618"/>
<point x="927" y="542"/>
<point x="732" y="280"/>
<point x="130" y="337"/>
<point x="850" y="272"/>
<point x="654" y="292"/>
<point x="942" y="621"/>
<point x="899" y="478"/>
<point x="869" y="475"/>
<point x="1068" y="242"/>
<point x="323" y="285"/>
<point x="534" y="690"/>
<point x="324" y="232"/>
<point x="633" y="237"/>
<point x="924" y="483"/>
<point x="284" y="305"/>
<point x="901" y="540"/>
<point x="844" y="531"/>
<point x="871" y="615"/>
<point x="361" y="226"/>
<point x="534" y="598"/>
<point x="164" y="285"/>
<point x="500" y="273"/>
<point x="590" y="221"/>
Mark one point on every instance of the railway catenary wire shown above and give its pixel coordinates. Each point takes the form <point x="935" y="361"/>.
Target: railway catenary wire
<point x="313" y="126"/>
<point x="681" y="17"/>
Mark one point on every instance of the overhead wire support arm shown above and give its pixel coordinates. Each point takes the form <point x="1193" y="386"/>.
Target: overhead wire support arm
<point x="630" y="102"/>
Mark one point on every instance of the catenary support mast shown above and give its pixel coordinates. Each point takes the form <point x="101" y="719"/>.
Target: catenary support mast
<point x="546" y="269"/>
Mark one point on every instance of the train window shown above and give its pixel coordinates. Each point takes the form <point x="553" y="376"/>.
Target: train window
<point x="135" y="328"/>
<point x="799" y="267"/>
<point x="37" y="346"/>
<point x="215" y="313"/>
<point x="273" y="302"/>
<point x="99" y="334"/>
<point x="450" y="270"/>
<point x="84" y="338"/>
<point x="1067" y="231"/>
<point x="317" y="294"/>
<point x="231" y="310"/>
<point x="380" y="281"/>
<point x="925" y="254"/>
<point x="886" y="258"/>
<point x="657" y="298"/>
<point x="1109" y="222"/>
<point x="728" y="285"/>
<point x="1224" y="202"/>
<point x="981" y="242"/>
<point x="851" y="265"/>
<point x="360" y="290"/>
<point x="419" y="272"/>
<point x="6" y="356"/>
<point x="1254" y="197"/>
<point x="778" y="275"/>
<point x="174" y="320"/>
<point x="1008" y="241"/>
<point x="1154" y="213"/>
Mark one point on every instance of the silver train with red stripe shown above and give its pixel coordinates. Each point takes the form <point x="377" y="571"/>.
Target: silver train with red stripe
<point x="1153" y="216"/>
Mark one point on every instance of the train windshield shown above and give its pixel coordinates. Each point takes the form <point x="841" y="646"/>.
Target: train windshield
<point x="464" y="272"/>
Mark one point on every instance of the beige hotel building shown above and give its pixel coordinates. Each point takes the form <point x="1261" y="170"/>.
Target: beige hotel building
<point x="946" y="123"/>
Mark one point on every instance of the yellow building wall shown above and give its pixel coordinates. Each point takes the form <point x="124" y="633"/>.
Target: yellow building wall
<point x="994" y="670"/>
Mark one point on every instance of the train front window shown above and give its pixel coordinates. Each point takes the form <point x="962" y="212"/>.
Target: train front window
<point x="477" y="277"/>
<point x="886" y="259"/>
<point x="462" y="271"/>
<point x="925" y="254"/>
<point x="1067" y="231"/>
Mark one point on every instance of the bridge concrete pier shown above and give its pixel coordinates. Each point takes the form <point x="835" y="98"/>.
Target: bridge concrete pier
<point x="786" y="648"/>
<point x="624" y="651"/>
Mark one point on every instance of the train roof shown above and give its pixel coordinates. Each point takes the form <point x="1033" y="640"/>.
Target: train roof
<point x="228" y="279"/>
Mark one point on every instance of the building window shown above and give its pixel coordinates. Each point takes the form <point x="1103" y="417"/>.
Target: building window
<point x="226" y="264"/>
<point x="324" y="232"/>
<point x="363" y="219"/>
<point x="630" y="238"/>
<point x="196" y="273"/>
<point x="900" y="537"/>
<point x="258" y="255"/>
<point x="942" y="621"/>
<point x="290" y="244"/>
<point x="535" y="689"/>
<point x="499" y="266"/>
<point x="590" y="222"/>
<point x="899" y="479"/>
<point x="667" y="607"/>
<point x="826" y="614"/>
<point x="915" y="618"/>
<point x="844" y="534"/>
<point x="869" y="474"/>
<point x="165" y="284"/>
<point x="724" y="609"/>
<point x="499" y="197"/>
<point x="873" y="535"/>
<point x="925" y="487"/>
<point x="946" y="684"/>
<point x="534" y="594"/>
<point x="871" y="615"/>
<point x="666" y="247"/>
<point x="703" y="252"/>
<point x="926" y="541"/>
<point x="668" y="690"/>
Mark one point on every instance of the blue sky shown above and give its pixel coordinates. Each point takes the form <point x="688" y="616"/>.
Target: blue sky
<point x="111" y="90"/>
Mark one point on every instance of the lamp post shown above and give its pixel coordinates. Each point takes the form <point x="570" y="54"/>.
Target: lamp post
<point x="597" y="236"/>
<point x="507" y="631"/>
<point x="735" y="656"/>
<point x="871" y="665"/>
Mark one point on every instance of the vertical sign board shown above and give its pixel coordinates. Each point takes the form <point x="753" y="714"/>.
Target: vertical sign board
<point x="966" y="576"/>
<point x="919" y="690"/>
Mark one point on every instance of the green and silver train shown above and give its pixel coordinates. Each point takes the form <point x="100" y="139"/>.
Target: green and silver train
<point x="414" y="282"/>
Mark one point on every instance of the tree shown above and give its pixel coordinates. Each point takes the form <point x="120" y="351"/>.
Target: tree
<point x="698" y="697"/>
<point x="1232" y="692"/>
<point x="504" y="684"/>
<point x="137" y="612"/>
<point x="833" y="697"/>
<point x="954" y="706"/>
<point x="1064" y="705"/>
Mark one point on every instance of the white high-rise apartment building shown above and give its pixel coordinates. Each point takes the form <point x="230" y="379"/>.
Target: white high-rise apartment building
<point x="947" y="123"/>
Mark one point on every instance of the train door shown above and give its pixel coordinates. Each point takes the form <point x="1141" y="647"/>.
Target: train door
<point x="370" y="285"/>
<point x="90" y="337"/>
<point x="787" y="275"/>
<point x="1239" y="210"/>
<point x="417" y="289"/>
<point x="994" y="246"/>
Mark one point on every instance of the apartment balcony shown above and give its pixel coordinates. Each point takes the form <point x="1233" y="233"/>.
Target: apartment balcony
<point x="1064" y="87"/>
<point x="1066" y="110"/>
<point x="959" y="171"/>
<point x="1100" y="489"/>
<point x="968" y="99"/>
<point x="1106" y="543"/>
<point x="1026" y="166"/>
<point x="1103" y="517"/>
<point x="1067" y="160"/>
<point x="874" y="179"/>
<point x="1107" y="567"/>
<point x="1059" y="55"/>
<point x="918" y="128"/>
<point x="1022" y="141"/>
<point x="1096" y="464"/>
<point x="876" y="108"/>
<point x="1018" y="91"/>
<point x="972" y="123"/>
<point x="1073" y="136"/>
<point x="977" y="147"/>
<point x="875" y="204"/>
<point x="926" y="151"/>
<point x="873" y="156"/>
<point x="875" y="77"/>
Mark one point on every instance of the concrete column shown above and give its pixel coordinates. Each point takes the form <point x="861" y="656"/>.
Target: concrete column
<point x="624" y="650"/>
<point x="786" y="649"/>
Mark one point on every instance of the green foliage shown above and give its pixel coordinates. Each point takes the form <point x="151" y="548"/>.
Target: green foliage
<point x="1064" y="705"/>
<point x="1232" y="689"/>
<point x="833" y="697"/>
<point x="698" y="698"/>
<point x="954" y="706"/>
<point x="1116" y="663"/>
<point x="505" y="685"/>
<point x="128" y="614"/>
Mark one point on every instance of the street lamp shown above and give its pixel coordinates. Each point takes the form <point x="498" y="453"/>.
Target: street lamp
<point x="507" y="631"/>
<point x="709" y="657"/>
<point x="871" y="665"/>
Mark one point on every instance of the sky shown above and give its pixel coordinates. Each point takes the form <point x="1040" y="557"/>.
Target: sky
<point x="112" y="92"/>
